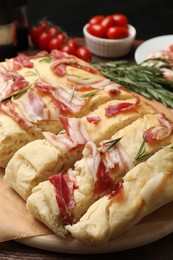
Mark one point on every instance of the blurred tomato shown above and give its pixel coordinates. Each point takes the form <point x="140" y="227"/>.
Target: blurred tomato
<point x="107" y="22"/>
<point x="96" y="30"/>
<point x="68" y="49"/>
<point x="84" y="54"/>
<point x="120" y="19"/>
<point x="54" y="43"/>
<point x="53" y="32"/>
<point x="117" y="32"/>
<point x="97" y="19"/>
<point x="43" y="41"/>
<point x="73" y="42"/>
<point x="34" y="36"/>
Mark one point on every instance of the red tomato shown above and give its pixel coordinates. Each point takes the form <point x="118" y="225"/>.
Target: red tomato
<point x="53" y="32"/>
<point x="43" y="41"/>
<point x="68" y="49"/>
<point x="97" y="19"/>
<point x="117" y="32"/>
<point x="34" y="36"/>
<point x="62" y="37"/>
<point x="54" y="43"/>
<point x="120" y="19"/>
<point x="171" y="47"/>
<point x="107" y="22"/>
<point x="96" y="30"/>
<point x="43" y="27"/>
<point x="73" y="42"/>
<point x="84" y="54"/>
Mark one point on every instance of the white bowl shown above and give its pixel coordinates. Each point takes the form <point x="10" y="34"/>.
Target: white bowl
<point x="109" y="48"/>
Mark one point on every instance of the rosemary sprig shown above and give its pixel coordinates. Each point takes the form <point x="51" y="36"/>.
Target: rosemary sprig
<point x="90" y="94"/>
<point x="148" y="81"/>
<point x="112" y="143"/>
<point x="46" y="59"/>
<point x="72" y="94"/>
<point x="141" y="152"/>
<point x="18" y="93"/>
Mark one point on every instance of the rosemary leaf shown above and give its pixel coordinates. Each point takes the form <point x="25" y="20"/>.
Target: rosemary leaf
<point x="18" y="93"/>
<point x="46" y="59"/>
<point x="148" y="80"/>
<point x="90" y="94"/>
<point x="141" y="153"/>
<point x="112" y="143"/>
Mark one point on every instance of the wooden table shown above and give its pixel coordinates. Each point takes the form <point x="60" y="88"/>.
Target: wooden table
<point x="160" y="250"/>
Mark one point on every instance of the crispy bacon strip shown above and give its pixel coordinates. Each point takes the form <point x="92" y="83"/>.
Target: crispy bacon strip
<point x="92" y="118"/>
<point x="103" y="180"/>
<point x="65" y="99"/>
<point x="76" y="135"/>
<point x="31" y="106"/>
<point x="64" y="187"/>
<point x="156" y="133"/>
<point x="10" y="82"/>
<point x="116" y="157"/>
<point x="61" y="60"/>
<point x="19" y="62"/>
<point x="121" y="107"/>
<point x="10" y="109"/>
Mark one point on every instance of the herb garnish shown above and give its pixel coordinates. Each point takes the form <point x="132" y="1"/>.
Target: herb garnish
<point x="18" y="93"/>
<point x="46" y="59"/>
<point x="90" y="94"/>
<point x="72" y="94"/>
<point x="112" y="143"/>
<point x="148" y="80"/>
<point x="141" y="153"/>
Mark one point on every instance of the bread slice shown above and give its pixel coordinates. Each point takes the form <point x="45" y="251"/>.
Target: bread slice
<point x="40" y="159"/>
<point x="84" y="177"/>
<point x="146" y="187"/>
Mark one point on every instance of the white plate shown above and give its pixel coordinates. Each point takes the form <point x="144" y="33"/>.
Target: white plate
<point x="154" y="44"/>
<point x="153" y="227"/>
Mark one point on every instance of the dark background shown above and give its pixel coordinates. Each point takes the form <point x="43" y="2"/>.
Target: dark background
<point x="150" y="17"/>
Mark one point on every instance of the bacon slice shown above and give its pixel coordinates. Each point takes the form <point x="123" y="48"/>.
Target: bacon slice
<point x="92" y="118"/>
<point x="10" y="82"/>
<point x="31" y="106"/>
<point x="61" y="60"/>
<point x="156" y="133"/>
<point x="64" y="187"/>
<point x="67" y="100"/>
<point x="116" y="157"/>
<point x="103" y="181"/>
<point x="76" y="135"/>
<point x="121" y="107"/>
<point x="10" y="109"/>
<point x="19" y="62"/>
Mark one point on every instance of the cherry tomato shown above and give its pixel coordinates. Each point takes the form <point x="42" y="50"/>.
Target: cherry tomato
<point x="54" y="43"/>
<point x="73" y="42"/>
<point x="120" y="19"/>
<point x="68" y="49"/>
<point x="97" y="19"/>
<point x="107" y="22"/>
<point x="171" y="47"/>
<point x="53" y="32"/>
<point x="83" y="53"/>
<point x="43" y="27"/>
<point x="62" y="37"/>
<point x="43" y="41"/>
<point x="34" y="36"/>
<point x="96" y="30"/>
<point x="117" y="32"/>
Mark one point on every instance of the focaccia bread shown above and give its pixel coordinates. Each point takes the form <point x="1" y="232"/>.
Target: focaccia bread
<point x="145" y="188"/>
<point x="40" y="159"/>
<point x="35" y="91"/>
<point x="96" y="174"/>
